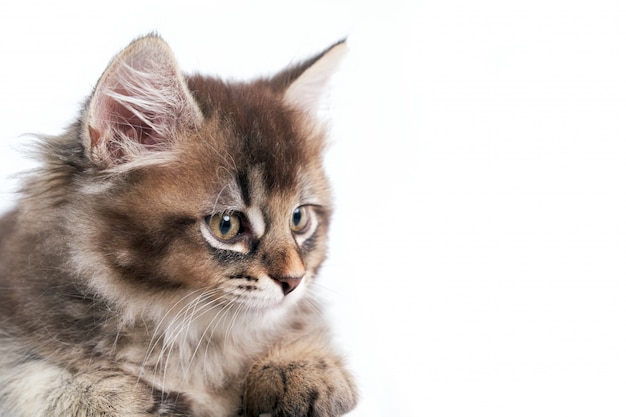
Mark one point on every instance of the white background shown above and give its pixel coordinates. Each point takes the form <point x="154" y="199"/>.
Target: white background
<point x="478" y="263"/>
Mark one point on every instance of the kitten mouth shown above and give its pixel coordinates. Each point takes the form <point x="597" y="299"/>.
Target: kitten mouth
<point x="269" y="299"/>
<point x="255" y="287"/>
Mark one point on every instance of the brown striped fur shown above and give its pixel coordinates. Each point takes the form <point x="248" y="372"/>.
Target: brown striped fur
<point x="118" y="297"/>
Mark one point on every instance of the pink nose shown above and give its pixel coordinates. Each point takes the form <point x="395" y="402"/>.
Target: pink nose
<point x="288" y="284"/>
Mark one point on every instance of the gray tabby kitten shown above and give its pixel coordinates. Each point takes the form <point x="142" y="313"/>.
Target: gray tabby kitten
<point x="160" y="263"/>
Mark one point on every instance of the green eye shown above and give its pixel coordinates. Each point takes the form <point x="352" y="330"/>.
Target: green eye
<point x="300" y="220"/>
<point x="225" y="226"/>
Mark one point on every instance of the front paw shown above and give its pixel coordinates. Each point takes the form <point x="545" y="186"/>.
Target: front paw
<point x="307" y="388"/>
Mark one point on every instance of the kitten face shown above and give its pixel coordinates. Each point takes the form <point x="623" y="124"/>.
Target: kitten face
<point x="200" y="224"/>
<point x="213" y="188"/>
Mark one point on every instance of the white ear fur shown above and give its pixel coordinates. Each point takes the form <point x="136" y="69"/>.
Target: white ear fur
<point x="139" y="104"/>
<point x="307" y="90"/>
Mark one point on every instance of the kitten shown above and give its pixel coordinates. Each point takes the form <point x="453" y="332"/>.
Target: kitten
<point x="161" y="262"/>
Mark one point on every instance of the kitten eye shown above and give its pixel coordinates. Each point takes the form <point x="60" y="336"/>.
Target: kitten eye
<point x="225" y="226"/>
<point x="300" y="220"/>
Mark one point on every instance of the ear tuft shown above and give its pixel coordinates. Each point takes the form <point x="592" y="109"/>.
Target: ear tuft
<point x="307" y="89"/>
<point x="139" y="105"/>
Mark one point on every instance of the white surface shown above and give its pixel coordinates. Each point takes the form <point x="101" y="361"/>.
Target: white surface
<point x="478" y="251"/>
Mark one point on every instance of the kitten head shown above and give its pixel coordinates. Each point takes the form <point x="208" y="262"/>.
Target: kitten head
<point x="195" y="186"/>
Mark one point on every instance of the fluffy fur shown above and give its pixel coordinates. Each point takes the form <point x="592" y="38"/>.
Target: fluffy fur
<point x="161" y="261"/>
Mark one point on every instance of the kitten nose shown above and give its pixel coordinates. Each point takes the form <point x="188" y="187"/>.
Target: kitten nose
<point x="288" y="283"/>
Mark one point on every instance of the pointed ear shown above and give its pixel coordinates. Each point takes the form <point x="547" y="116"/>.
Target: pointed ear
<point x="139" y="105"/>
<point x="306" y="83"/>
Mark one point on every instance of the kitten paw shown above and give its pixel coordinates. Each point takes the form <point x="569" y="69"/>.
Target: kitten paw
<point x="308" y="388"/>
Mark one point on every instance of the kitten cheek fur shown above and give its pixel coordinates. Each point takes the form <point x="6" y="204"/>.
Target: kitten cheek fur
<point x="116" y="304"/>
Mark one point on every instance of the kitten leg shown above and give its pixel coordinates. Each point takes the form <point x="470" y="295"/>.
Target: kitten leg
<point x="36" y="388"/>
<point x="304" y="379"/>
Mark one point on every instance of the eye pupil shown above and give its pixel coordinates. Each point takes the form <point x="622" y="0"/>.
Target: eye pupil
<point x="225" y="224"/>
<point x="297" y="217"/>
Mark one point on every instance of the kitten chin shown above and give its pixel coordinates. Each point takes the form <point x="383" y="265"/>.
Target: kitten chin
<point x="163" y="260"/>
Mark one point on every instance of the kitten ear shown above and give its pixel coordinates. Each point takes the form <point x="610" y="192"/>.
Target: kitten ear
<point x="306" y="82"/>
<point x="139" y="104"/>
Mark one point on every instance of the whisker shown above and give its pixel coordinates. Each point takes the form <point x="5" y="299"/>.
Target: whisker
<point x="164" y="335"/>
<point x="182" y="325"/>
<point x="155" y="335"/>
<point x="241" y="307"/>
<point x="219" y="317"/>
<point x="177" y="324"/>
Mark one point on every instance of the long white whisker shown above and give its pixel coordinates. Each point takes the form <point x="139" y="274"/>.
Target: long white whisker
<point x="218" y="317"/>
<point x="156" y="335"/>
<point x="177" y="326"/>
<point x="165" y="336"/>
<point x="229" y="329"/>
<point x="197" y="312"/>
